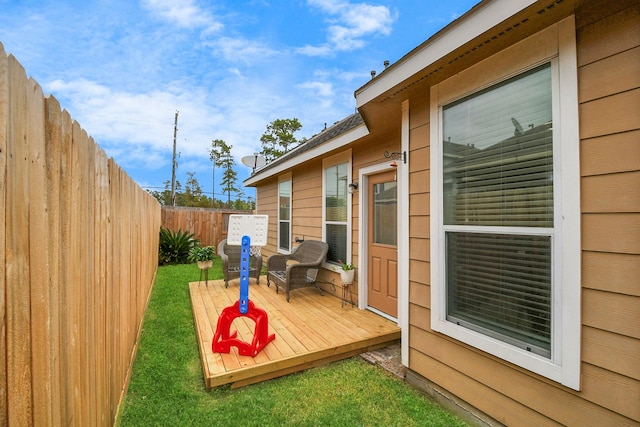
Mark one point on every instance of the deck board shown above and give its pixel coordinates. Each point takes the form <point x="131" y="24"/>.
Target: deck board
<point x="311" y="330"/>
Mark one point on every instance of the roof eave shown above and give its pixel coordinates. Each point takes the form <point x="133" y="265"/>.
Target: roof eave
<point x="481" y="18"/>
<point x="339" y="141"/>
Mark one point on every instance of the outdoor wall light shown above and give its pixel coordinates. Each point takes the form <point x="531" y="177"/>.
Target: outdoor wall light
<point x="353" y="187"/>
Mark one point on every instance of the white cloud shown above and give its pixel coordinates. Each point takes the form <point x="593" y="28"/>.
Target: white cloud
<point x="240" y="49"/>
<point x="323" y="50"/>
<point x="319" y="89"/>
<point x="183" y="13"/>
<point x="127" y="119"/>
<point x="351" y="24"/>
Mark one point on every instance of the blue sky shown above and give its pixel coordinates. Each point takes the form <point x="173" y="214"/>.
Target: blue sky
<point x="122" y="68"/>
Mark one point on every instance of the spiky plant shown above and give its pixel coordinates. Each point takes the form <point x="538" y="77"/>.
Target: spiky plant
<point x="175" y="246"/>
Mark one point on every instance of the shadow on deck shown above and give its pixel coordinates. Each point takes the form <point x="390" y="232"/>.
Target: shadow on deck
<point x="311" y="330"/>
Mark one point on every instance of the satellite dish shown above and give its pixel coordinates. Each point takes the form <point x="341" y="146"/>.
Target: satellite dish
<point x="519" y="130"/>
<point x="255" y="161"/>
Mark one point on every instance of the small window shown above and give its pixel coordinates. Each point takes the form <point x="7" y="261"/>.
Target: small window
<point x="336" y="211"/>
<point x="284" y="216"/>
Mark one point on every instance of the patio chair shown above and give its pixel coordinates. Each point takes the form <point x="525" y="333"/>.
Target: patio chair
<point x="230" y="255"/>
<point x="299" y="269"/>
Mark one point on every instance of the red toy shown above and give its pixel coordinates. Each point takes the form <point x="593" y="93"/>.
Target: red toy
<point x="223" y="339"/>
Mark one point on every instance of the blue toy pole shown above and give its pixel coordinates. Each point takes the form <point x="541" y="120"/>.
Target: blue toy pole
<point x="245" y="253"/>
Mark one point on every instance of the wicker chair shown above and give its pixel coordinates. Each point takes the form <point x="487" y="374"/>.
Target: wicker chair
<point x="299" y="269"/>
<point x="230" y="255"/>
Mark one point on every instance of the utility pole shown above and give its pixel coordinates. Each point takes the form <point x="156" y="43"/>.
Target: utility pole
<point x="173" y="168"/>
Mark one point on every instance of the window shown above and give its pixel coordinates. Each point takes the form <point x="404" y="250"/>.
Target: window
<point x="284" y="215"/>
<point x="337" y="208"/>
<point x="498" y="210"/>
<point x="506" y="257"/>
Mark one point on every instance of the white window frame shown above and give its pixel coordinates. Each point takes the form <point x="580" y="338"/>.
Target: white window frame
<point x="282" y="179"/>
<point x="344" y="157"/>
<point x="555" y="45"/>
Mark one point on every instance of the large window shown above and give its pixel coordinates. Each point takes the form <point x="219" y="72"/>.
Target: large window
<point x="498" y="210"/>
<point x="284" y="215"/>
<point x="505" y="224"/>
<point x="336" y="211"/>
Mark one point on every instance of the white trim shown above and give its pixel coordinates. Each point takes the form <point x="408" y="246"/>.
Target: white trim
<point x="564" y="364"/>
<point x="570" y="155"/>
<point x="402" y="171"/>
<point x="341" y="140"/>
<point x="383" y="314"/>
<point x="472" y="24"/>
<point x="403" y="238"/>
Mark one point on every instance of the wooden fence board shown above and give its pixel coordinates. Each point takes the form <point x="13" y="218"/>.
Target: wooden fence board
<point x="54" y="149"/>
<point x="4" y="98"/>
<point x="19" y="385"/>
<point x="66" y="277"/>
<point x="38" y="245"/>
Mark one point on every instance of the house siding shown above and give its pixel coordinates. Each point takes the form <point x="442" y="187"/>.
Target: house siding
<point x="609" y="109"/>
<point x="306" y="214"/>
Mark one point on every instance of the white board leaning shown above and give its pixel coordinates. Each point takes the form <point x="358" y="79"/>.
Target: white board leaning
<point x="254" y="226"/>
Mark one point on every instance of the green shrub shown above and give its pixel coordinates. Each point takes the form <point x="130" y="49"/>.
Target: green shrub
<point x="175" y="246"/>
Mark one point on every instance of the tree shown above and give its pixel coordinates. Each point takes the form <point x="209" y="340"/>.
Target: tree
<point x="220" y="154"/>
<point x="164" y="197"/>
<point x="279" y="138"/>
<point x="218" y="149"/>
<point x="229" y="177"/>
<point x="193" y="193"/>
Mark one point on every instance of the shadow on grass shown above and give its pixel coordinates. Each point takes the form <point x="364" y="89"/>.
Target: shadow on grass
<point x="167" y="385"/>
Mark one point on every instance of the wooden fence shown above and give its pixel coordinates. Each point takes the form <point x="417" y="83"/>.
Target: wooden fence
<point x="208" y="225"/>
<point x="78" y="255"/>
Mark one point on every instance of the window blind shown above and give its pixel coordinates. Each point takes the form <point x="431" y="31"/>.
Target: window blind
<point x="501" y="285"/>
<point x="337" y="241"/>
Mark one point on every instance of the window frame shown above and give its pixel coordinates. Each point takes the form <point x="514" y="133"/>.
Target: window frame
<point x="341" y="158"/>
<point x="281" y="180"/>
<point x="555" y="45"/>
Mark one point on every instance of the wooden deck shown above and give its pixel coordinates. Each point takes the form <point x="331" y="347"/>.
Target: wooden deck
<point x="311" y="330"/>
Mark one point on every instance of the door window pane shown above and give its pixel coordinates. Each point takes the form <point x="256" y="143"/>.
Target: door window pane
<point x="385" y="213"/>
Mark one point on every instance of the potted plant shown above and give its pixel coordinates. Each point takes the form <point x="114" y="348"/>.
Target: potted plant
<point x="347" y="273"/>
<point x="203" y="255"/>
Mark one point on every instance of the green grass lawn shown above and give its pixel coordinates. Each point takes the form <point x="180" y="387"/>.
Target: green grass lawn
<point x="167" y="385"/>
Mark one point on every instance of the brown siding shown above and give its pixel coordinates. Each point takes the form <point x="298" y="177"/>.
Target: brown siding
<point x="306" y="202"/>
<point x="609" y="107"/>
